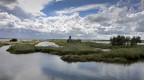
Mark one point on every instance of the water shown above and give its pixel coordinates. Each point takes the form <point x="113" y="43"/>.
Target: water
<point x="39" y="66"/>
<point x="140" y="44"/>
<point x="3" y="40"/>
<point x="103" y="42"/>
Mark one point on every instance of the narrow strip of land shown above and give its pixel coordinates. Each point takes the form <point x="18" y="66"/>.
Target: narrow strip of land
<point x="83" y="51"/>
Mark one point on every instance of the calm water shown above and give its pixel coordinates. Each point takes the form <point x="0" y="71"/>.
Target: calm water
<point x="39" y="66"/>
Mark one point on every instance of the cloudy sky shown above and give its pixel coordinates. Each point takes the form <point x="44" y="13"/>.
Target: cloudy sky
<point x="85" y="19"/>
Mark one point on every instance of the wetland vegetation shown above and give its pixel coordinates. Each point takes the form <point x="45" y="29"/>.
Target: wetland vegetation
<point x="82" y="51"/>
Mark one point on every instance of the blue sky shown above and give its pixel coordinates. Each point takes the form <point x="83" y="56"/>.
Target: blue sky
<point x="49" y="9"/>
<point x="84" y="19"/>
<point x="57" y="6"/>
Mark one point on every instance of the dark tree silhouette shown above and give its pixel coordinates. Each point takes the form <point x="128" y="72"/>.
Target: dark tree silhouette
<point x="122" y="40"/>
<point x="135" y="40"/>
<point x="119" y="40"/>
<point x="13" y="40"/>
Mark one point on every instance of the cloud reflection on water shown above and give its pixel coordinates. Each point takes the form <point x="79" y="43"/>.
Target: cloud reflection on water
<point x="40" y="66"/>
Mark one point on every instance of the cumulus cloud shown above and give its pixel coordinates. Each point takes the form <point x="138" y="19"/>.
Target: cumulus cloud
<point x="31" y="7"/>
<point x="16" y="12"/>
<point x="8" y="1"/>
<point x="110" y="20"/>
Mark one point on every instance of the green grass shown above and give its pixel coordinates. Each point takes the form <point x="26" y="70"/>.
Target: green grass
<point x="115" y="55"/>
<point x="127" y="53"/>
<point x="22" y="48"/>
<point x="69" y="48"/>
<point x="85" y="51"/>
<point x="75" y="48"/>
<point x="59" y="42"/>
<point x="92" y="57"/>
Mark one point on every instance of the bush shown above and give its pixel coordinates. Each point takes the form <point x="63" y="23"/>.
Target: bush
<point x="13" y="40"/>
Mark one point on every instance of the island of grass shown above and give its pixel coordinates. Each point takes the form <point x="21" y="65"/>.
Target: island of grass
<point x="85" y="51"/>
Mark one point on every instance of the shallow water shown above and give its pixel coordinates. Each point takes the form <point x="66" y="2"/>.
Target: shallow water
<point x="103" y="42"/>
<point x="39" y="66"/>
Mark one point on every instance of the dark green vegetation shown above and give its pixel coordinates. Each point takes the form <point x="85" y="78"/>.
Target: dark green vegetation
<point x="6" y="43"/>
<point x="22" y="48"/>
<point x="70" y="49"/>
<point x="122" y="40"/>
<point x="84" y="51"/>
<point x="65" y="49"/>
<point x="115" y="55"/>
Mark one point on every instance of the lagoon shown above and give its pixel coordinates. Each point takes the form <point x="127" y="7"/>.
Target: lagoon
<point x="39" y="66"/>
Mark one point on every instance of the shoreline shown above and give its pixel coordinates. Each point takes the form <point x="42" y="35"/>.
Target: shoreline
<point x="83" y="52"/>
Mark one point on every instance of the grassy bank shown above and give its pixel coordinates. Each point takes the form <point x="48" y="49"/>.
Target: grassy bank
<point x="71" y="49"/>
<point x="22" y="48"/>
<point x="115" y="55"/>
<point x="92" y="57"/>
<point x="85" y="51"/>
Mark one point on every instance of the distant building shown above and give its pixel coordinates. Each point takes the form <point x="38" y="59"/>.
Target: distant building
<point x="70" y="40"/>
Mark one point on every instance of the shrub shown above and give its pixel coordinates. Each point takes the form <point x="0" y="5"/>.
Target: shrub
<point x="13" y="40"/>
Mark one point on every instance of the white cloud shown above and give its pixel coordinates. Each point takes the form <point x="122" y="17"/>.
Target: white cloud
<point x="81" y="8"/>
<point x="32" y="7"/>
<point x="112" y="20"/>
<point x="8" y="20"/>
<point x="9" y="3"/>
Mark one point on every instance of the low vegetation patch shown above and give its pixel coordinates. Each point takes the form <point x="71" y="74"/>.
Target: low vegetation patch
<point x="115" y="55"/>
<point x="127" y="53"/>
<point x="84" y="51"/>
<point x="22" y="48"/>
<point x="92" y="57"/>
<point x="75" y="48"/>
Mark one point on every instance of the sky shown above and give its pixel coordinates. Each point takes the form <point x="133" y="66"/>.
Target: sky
<point x="81" y="19"/>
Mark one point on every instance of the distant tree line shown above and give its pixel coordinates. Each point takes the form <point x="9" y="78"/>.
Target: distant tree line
<point x="122" y="40"/>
